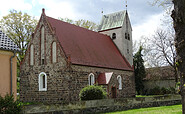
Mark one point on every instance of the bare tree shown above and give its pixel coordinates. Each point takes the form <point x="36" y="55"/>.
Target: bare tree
<point x="163" y="50"/>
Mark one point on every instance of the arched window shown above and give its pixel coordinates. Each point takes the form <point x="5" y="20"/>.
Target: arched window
<point x="126" y="36"/>
<point x="113" y="36"/>
<point x="119" y="82"/>
<point x="128" y="51"/>
<point x="91" y="79"/>
<point x="42" y="81"/>
<point x="31" y="54"/>
<point x="42" y="46"/>
<point x="54" y="53"/>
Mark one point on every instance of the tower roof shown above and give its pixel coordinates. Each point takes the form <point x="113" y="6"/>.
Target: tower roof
<point x="112" y="20"/>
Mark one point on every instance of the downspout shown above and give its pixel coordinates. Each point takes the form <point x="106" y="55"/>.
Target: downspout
<point x="11" y="72"/>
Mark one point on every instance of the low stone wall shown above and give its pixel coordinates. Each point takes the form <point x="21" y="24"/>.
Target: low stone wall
<point x="105" y="105"/>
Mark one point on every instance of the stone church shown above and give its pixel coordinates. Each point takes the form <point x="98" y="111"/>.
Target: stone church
<point x="63" y="58"/>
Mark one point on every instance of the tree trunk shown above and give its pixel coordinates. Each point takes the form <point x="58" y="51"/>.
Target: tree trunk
<point x="178" y="16"/>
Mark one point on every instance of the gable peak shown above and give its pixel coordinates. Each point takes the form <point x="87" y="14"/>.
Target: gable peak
<point x="43" y="11"/>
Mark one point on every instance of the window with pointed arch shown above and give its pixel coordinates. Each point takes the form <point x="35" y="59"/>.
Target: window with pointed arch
<point x="42" y="45"/>
<point x="31" y="54"/>
<point x="119" y="82"/>
<point x="54" y="52"/>
<point x="91" y="79"/>
<point x="42" y="81"/>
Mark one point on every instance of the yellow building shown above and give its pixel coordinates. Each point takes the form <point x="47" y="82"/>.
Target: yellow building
<point x="8" y="66"/>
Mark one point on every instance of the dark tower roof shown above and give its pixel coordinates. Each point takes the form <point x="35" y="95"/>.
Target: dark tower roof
<point x="6" y="43"/>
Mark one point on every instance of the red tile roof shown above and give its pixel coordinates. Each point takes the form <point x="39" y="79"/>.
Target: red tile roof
<point x="87" y="47"/>
<point x="104" y="78"/>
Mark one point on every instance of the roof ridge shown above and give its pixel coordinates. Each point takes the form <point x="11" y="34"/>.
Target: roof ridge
<point x="123" y="11"/>
<point x="72" y="24"/>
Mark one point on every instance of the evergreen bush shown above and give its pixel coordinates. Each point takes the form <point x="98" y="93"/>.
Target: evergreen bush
<point x="9" y="106"/>
<point x="92" y="93"/>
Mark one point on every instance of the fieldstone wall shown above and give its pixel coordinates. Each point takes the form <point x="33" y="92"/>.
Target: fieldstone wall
<point x="64" y="80"/>
<point x="102" y="106"/>
<point x="128" y="80"/>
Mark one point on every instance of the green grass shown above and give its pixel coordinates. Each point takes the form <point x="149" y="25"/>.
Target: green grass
<point x="175" y="109"/>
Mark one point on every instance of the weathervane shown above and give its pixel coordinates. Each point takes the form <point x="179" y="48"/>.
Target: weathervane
<point x="126" y="4"/>
<point x="102" y="11"/>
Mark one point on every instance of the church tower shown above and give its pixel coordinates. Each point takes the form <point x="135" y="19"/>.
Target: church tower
<point x="118" y="27"/>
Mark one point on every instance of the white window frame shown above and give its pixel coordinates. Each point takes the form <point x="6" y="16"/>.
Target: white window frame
<point x="31" y="54"/>
<point x="91" y="79"/>
<point x="119" y="82"/>
<point x="40" y="81"/>
<point x="54" y="52"/>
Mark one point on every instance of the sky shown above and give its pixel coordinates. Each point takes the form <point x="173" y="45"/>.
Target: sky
<point x="145" y="19"/>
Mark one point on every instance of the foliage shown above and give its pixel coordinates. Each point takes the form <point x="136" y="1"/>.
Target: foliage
<point x="19" y="28"/>
<point x="82" y="23"/>
<point x="139" y="71"/>
<point x="160" y="91"/>
<point x="166" y="4"/>
<point x="174" y="109"/>
<point x="178" y="84"/>
<point x="92" y="93"/>
<point x="9" y="106"/>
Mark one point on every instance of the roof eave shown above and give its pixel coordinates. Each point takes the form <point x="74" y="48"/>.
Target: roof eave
<point x="103" y="67"/>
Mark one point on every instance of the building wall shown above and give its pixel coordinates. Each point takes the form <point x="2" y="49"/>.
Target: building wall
<point x="128" y="80"/>
<point x="124" y="45"/>
<point x="5" y="73"/>
<point x="64" y="81"/>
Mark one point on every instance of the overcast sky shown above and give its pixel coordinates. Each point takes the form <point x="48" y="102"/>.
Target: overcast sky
<point x="144" y="17"/>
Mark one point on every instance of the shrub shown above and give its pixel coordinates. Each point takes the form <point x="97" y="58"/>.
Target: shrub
<point x="172" y="90"/>
<point x="164" y="90"/>
<point x="155" y="91"/>
<point x="9" y="106"/>
<point x="92" y="93"/>
<point x="161" y="91"/>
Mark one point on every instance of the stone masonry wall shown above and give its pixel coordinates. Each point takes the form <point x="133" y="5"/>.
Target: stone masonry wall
<point x="128" y="79"/>
<point x="64" y="81"/>
<point x="104" y="105"/>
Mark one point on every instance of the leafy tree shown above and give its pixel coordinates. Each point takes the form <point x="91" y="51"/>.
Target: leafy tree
<point x="82" y="23"/>
<point x="178" y="16"/>
<point x="19" y="28"/>
<point x="92" y="93"/>
<point x="139" y="70"/>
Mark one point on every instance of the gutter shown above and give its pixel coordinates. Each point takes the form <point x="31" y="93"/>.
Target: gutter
<point x="11" y="92"/>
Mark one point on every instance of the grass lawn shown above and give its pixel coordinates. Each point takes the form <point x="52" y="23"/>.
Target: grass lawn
<point x="175" y="109"/>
